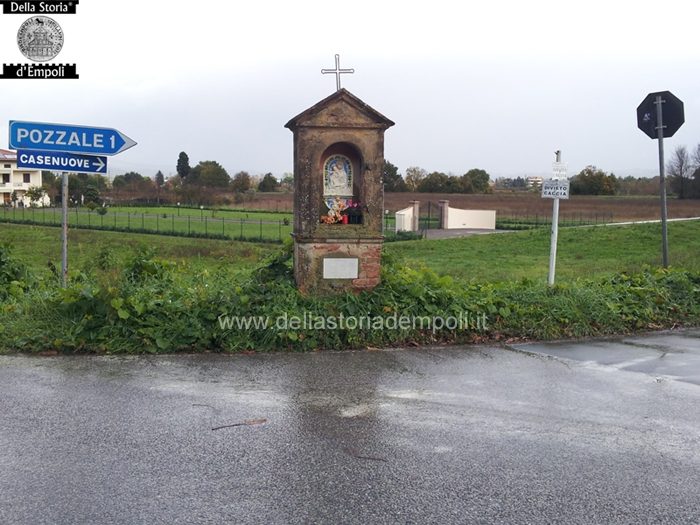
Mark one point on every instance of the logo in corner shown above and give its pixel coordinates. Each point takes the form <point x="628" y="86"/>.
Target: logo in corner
<point x="40" y="38"/>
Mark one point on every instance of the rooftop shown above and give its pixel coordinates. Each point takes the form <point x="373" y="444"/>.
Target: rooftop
<point x="6" y="154"/>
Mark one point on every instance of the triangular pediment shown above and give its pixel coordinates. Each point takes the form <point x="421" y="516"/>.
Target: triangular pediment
<point x="341" y="109"/>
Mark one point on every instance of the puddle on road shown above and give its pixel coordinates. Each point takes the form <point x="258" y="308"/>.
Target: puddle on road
<point x="661" y="356"/>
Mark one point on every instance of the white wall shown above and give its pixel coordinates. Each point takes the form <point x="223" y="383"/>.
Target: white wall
<point x="478" y="219"/>
<point x="404" y="220"/>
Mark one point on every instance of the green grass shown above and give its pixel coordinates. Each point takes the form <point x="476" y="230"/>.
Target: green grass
<point x="582" y="252"/>
<point x="173" y="295"/>
<point x="36" y="245"/>
<point x="263" y="226"/>
<point x="197" y="213"/>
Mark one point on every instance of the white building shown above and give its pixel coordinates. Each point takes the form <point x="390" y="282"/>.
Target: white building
<point x="18" y="181"/>
<point x="534" y="182"/>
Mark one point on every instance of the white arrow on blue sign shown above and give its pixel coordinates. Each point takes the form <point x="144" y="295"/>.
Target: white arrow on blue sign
<point x="61" y="161"/>
<point x="45" y="136"/>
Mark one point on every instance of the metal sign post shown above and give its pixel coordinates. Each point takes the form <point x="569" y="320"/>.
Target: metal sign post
<point x="660" y="115"/>
<point x="64" y="229"/>
<point x="556" y="188"/>
<point x="662" y="180"/>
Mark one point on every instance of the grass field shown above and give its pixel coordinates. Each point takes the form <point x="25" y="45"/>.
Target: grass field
<point x="37" y="245"/>
<point x="583" y="252"/>
<point x="171" y="298"/>
<point x="233" y="224"/>
<point x="198" y="213"/>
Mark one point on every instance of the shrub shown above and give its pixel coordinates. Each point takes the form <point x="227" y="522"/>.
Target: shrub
<point x="156" y="306"/>
<point x="14" y="276"/>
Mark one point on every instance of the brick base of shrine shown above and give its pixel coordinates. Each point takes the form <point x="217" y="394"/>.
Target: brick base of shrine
<point x="333" y="265"/>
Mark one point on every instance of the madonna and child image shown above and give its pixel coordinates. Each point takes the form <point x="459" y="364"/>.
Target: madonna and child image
<point x="337" y="176"/>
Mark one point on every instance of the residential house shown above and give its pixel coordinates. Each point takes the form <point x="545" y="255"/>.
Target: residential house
<point x="17" y="181"/>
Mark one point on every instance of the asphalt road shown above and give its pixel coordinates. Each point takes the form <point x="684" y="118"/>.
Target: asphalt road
<point x="533" y="434"/>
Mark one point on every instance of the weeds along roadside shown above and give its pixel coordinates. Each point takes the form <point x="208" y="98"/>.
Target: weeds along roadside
<point x="149" y="305"/>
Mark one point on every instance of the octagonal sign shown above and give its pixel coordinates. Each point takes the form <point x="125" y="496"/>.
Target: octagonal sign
<point x="672" y="116"/>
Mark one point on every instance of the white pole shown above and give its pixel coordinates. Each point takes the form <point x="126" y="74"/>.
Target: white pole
<point x="64" y="230"/>
<point x="555" y="235"/>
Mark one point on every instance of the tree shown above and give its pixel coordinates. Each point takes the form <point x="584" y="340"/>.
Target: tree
<point x="209" y="173"/>
<point x="393" y="181"/>
<point x="288" y="182"/>
<point x="593" y="181"/>
<point x="477" y="180"/>
<point x="133" y="186"/>
<point x="414" y="175"/>
<point x="679" y="172"/>
<point x="91" y="196"/>
<point x="436" y="182"/>
<point x="510" y="183"/>
<point x="695" y="183"/>
<point x="160" y="182"/>
<point x="50" y="183"/>
<point x="99" y="181"/>
<point x="696" y="157"/>
<point x="268" y="183"/>
<point x="183" y="165"/>
<point x="78" y="182"/>
<point x="454" y="184"/>
<point x="48" y="179"/>
<point x="241" y="182"/>
<point x="638" y="185"/>
<point x="35" y="194"/>
<point x="130" y="178"/>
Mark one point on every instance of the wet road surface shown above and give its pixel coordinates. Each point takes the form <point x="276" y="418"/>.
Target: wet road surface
<point x="533" y="434"/>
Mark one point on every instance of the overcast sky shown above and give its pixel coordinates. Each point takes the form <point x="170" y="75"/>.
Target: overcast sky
<point x="498" y="85"/>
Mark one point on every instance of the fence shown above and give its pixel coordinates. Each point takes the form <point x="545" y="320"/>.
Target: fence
<point x="528" y="221"/>
<point x="257" y="230"/>
<point x="515" y="221"/>
<point x="262" y="230"/>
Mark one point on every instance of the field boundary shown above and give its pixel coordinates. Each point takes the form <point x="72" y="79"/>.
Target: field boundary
<point x="147" y="231"/>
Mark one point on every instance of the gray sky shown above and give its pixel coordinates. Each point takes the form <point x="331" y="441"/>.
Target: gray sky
<point x="497" y="85"/>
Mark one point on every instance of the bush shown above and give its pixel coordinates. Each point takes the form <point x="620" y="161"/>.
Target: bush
<point x="156" y="306"/>
<point x="14" y="276"/>
<point x="391" y="236"/>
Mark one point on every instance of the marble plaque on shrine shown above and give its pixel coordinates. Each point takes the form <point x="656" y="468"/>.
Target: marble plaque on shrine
<point x="340" y="268"/>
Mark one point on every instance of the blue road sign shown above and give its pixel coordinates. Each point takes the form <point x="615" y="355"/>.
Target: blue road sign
<point x="44" y="136"/>
<point x="61" y="161"/>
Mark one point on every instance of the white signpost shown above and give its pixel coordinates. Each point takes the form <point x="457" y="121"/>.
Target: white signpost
<point x="555" y="188"/>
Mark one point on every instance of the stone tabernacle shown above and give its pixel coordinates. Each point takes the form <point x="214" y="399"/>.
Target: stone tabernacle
<point x="338" y="194"/>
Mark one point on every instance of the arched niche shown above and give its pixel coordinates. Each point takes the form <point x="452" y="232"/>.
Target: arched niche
<point x="342" y="177"/>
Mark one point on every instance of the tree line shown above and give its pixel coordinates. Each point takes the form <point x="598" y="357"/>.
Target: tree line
<point x="198" y="183"/>
<point x="683" y="170"/>
<point x="208" y="181"/>
<point x="419" y="180"/>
